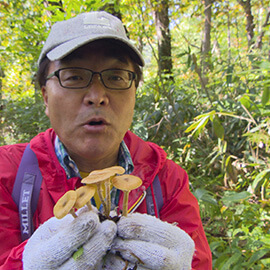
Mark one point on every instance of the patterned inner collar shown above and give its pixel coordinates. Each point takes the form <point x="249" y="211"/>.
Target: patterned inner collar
<point x="71" y="169"/>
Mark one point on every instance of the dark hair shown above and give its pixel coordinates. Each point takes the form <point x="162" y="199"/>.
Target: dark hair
<point x="117" y="49"/>
<point x="42" y="72"/>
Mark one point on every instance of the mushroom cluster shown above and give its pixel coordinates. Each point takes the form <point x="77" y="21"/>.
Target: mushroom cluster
<point x="75" y="199"/>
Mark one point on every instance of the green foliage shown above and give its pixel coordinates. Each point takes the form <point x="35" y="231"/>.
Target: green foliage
<point x="23" y="119"/>
<point x="249" y="245"/>
<point x="242" y="156"/>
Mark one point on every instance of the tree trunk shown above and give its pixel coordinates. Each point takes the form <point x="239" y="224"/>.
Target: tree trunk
<point x="206" y="49"/>
<point x="164" y="37"/>
<point x="206" y="43"/>
<point x="259" y="43"/>
<point x="229" y="36"/>
<point x="165" y="65"/>
<point x="250" y="21"/>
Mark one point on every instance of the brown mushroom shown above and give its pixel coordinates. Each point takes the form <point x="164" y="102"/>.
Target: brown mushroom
<point x="65" y="205"/>
<point x="84" y="195"/>
<point x="98" y="177"/>
<point x="126" y="183"/>
<point x="114" y="170"/>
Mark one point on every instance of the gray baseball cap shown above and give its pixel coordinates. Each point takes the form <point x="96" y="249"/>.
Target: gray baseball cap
<point x="67" y="36"/>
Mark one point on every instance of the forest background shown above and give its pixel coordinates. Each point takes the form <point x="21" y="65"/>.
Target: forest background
<point x="204" y="99"/>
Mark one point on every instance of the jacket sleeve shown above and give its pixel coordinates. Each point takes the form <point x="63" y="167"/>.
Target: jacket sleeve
<point x="11" y="245"/>
<point x="181" y="206"/>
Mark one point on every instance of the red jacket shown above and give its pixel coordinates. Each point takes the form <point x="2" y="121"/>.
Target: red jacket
<point x="179" y="206"/>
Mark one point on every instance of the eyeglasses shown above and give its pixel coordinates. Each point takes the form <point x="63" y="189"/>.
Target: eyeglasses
<point x="78" y="78"/>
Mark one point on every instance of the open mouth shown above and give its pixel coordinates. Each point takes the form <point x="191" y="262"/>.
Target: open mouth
<point x="96" y="123"/>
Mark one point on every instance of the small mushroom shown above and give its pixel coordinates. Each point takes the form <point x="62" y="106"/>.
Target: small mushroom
<point x="113" y="171"/>
<point x="126" y="183"/>
<point x="65" y="205"/>
<point x="84" y="195"/>
<point x="98" y="177"/>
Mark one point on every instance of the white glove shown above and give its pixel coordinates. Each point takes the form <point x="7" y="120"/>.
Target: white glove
<point x="149" y="243"/>
<point x="53" y="244"/>
<point x="114" y="262"/>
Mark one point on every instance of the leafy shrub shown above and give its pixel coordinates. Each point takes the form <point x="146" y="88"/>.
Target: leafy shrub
<point x="23" y="119"/>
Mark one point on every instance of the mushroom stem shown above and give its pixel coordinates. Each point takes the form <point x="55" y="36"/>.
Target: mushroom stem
<point x="125" y="203"/>
<point x="108" y="196"/>
<point x="126" y="183"/>
<point x="104" y="176"/>
<point x="89" y="205"/>
<point x="99" y="191"/>
<point x="72" y="212"/>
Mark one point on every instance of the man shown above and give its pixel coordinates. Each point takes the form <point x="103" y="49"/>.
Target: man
<point x="88" y="73"/>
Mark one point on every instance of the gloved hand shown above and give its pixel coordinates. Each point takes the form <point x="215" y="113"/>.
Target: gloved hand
<point x="53" y="244"/>
<point x="149" y="243"/>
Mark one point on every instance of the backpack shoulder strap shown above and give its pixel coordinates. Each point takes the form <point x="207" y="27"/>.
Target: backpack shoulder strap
<point x="154" y="199"/>
<point x="26" y="190"/>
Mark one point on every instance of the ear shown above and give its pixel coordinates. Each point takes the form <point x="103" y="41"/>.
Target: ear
<point x="45" y="99"/>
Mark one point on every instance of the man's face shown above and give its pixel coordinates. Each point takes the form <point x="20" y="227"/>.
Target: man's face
<point x="91" y="122"/>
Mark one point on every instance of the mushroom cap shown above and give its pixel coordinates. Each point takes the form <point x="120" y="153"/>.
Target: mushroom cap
<point x="65" y="204"/>
<point x="115" y="170"/>
<point x="84" y="194"/>
<point x="110" y="170"/>
<point x="98" y="176"/>
<point x="126" y="182"/>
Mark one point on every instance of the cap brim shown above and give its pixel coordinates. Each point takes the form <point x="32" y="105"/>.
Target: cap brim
<point x="68" y="47"/>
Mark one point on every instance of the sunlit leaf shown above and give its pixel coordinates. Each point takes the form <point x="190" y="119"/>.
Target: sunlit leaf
<point x="218" y="128"/>
<point x="204" y="195"/>
<point x="76" y="255"/>
<point x="232" y="261"/>
<point x="235" y="197"/>
<point x="258" y="255"/>
<point x="260" y="178"/>
<point x="265" y="95"/>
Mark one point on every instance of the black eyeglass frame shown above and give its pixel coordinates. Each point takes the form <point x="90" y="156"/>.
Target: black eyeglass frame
<point x="57" y="72"/>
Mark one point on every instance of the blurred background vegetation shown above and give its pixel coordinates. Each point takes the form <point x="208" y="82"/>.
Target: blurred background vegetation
<point x="204" y="99"/>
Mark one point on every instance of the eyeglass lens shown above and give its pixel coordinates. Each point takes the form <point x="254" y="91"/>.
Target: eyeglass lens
<point x="80" y="78"/>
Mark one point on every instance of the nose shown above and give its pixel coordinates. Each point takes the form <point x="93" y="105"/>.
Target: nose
<point x="96" y="92"/>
